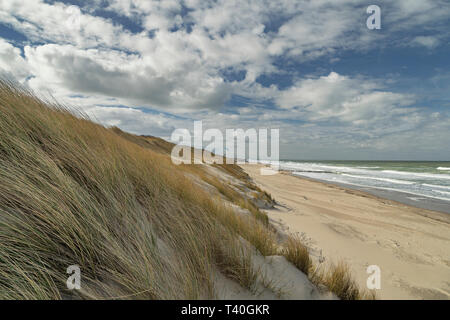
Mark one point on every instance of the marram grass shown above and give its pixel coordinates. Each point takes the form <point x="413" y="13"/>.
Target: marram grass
<point x="73" y="192"/>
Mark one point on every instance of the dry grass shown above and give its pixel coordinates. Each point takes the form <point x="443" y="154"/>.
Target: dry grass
<point x="252" y="230"/>
<point x="258" y="214"/>
<point x="74" y="192"/>
<point x="225" y="190"/>
<point x="235" y="261"/>
<point x="297" y="253"/>
<point x="234" y="170"/>
<point x="235" y="197"/>
<point x="336" y="278"/>
<point x="153" y="143"/>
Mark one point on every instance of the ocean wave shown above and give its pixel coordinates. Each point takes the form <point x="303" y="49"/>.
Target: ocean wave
<point x="337" y="180"/>
<point x="380" y="179"/>
<point x="419" y="174"/>
<point x="436" y="186"/>
<point x="443" y="168"/>
<point x="322" y="168"/>
<point x="442" y="192"/>
<point x="379" y="174"/>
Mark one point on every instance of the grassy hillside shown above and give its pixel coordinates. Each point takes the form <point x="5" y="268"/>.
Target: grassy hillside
<point x="139" y="227"/>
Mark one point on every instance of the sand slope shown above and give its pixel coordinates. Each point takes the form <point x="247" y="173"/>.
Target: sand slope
<point x="410" y="245"/>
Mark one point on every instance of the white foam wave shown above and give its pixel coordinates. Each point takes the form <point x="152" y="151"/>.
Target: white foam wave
<point x="442" y="192"/>
<point x="436" y="186"/>
<point x="419" y="174"/>
<point x="318" y="167"/>
<point x="380" y="179"/>
<point x="443" y="168"/>
<point x="320" y="177"/>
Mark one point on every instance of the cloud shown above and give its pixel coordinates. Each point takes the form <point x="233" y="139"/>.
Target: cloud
<point x="134" y="120"/>
<point x="337" y="97"/>
<point x="59" y="23"/>
<point x="152" y="15"/>
<point x="426" y="41"/>
<point x="127" y="77"/>
<point x="11" y="62"/>
<point x="177" y="62"/>
<point x="410" y="14"/>
<point x="194" y="57"/>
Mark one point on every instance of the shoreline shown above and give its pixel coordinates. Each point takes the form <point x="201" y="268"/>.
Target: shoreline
<point x="409" y="244"/>
<point x="405" y="198"/>
<point x="432" y="208"/>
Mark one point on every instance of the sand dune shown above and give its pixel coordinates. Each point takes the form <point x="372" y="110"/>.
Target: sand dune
<point x="410" y="245"/>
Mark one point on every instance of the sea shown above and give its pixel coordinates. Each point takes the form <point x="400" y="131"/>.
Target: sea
<point x="412" y="182"/>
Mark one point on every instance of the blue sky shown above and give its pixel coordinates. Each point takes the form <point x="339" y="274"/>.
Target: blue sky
<point x="334" y="88"/>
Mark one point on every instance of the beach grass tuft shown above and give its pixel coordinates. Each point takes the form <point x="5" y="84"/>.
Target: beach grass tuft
<point x="297" y="253"/>
<point x="338" y="279"/>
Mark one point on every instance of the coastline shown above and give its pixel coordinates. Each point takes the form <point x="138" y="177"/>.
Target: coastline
<point x="409" y="244"/>
<point x="410" y="199"/>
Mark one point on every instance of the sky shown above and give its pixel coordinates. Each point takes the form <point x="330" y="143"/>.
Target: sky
<point x="335" y="89"/>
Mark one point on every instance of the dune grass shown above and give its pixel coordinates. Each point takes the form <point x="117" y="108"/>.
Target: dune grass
<point x="336" y="278"/>
<point x="254" y="210"/>
<point x="74" y="192"/>
<point x="297" y="253"/>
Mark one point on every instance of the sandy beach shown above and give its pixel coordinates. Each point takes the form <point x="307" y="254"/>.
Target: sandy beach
<point x="410" y="245"/>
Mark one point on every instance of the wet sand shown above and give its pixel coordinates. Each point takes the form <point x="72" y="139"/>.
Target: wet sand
<point x="410" y="199"/>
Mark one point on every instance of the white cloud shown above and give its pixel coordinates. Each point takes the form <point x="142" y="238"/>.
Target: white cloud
<point x="11" y="61"/>
<point x="179" y="66"/>
<point x="426" y="41"/>
<point x="129" y="78"/>
<point x="341" y="98"/>
<point x="152" y="14"/>
<point x="411" y="14"/>
<point x="135" y="120"/>
<point x="59" y="23"/>
<point x="179" y="69"/>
